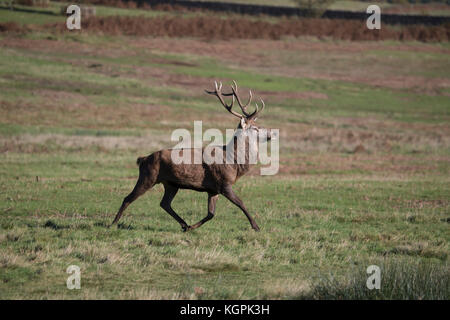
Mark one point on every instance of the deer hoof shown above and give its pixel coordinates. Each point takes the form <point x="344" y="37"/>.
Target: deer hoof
<point x="186" y="228"/>
<point x="255" y="227"/>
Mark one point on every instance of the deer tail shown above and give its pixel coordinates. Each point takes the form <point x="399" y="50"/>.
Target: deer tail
<point x="139" y="160"/>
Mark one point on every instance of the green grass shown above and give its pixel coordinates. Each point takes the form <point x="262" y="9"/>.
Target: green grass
<point x="39" y="16"/>
<point x="308" y="225"/>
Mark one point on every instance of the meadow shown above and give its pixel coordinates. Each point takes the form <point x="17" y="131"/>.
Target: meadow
<point x="363" y="179"/>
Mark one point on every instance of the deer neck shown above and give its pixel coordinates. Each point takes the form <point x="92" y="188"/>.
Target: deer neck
<point x="244" y="150"/>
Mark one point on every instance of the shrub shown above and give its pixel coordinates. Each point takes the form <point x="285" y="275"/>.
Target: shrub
<point x="212" y="27"/>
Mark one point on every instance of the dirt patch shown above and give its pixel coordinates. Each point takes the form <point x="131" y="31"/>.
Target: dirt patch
<point x="110" y="50"/>
<point x="44" y="142"/>
<point x="337" y="163"/>
<point x="234" y="48"/>
<point x="79" y="114"/>
<point x="368" y="138"/>
<point x="56" y="95"/>
<point x="279" y="96"/>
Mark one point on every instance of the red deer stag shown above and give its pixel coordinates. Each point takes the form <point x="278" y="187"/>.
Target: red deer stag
<point x="215" y="178"/>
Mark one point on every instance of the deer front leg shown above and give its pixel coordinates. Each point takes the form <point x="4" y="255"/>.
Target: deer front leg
<point x="212" y="199"/>
<point x="230" y="195"/>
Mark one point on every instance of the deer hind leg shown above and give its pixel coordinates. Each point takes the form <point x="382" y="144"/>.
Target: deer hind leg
<point x="138" y="190"/>
<point x="169" y="193"/>
<point x="230" y="195"/>
<point x="212" y="199"/>
<point x="144" y="183"/>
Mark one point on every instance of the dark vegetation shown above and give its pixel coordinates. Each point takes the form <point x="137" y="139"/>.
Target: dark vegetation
<point x="243" y="28"/>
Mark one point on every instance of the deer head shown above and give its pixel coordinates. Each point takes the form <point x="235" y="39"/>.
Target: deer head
<point x="247" y="124"/>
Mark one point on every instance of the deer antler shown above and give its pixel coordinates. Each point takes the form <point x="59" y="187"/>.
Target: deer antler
<point x="218" y="93"/>
<point x="255" y="113"/>
<point x="234" y="94"/>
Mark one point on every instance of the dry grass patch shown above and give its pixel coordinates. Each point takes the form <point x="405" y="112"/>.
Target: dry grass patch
<point x="285" y="288"/>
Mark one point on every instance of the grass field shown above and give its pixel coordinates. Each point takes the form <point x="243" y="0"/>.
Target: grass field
<point x="364" y="168"/>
